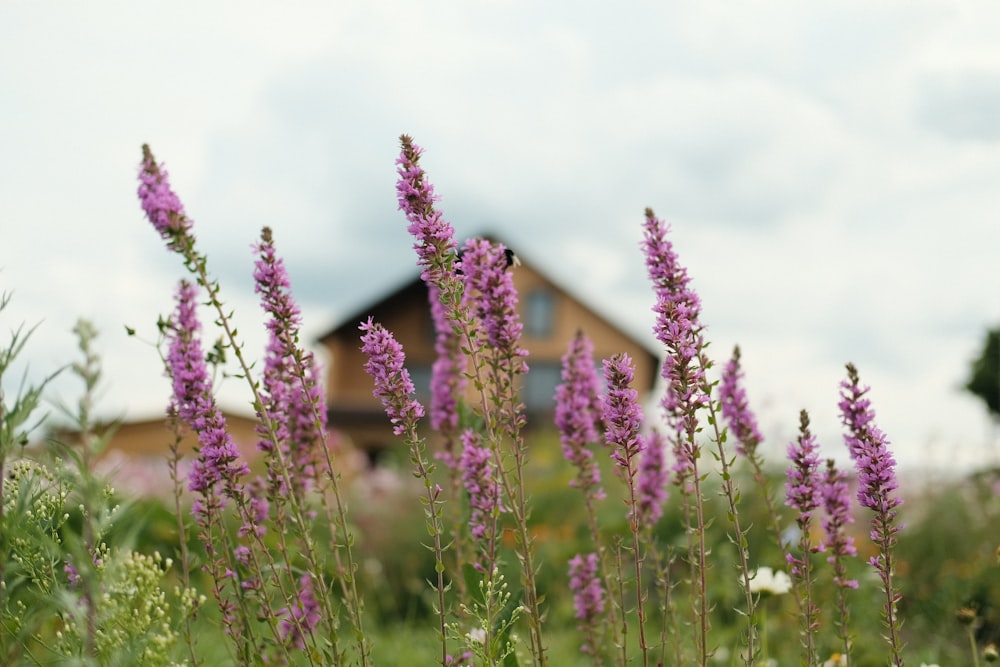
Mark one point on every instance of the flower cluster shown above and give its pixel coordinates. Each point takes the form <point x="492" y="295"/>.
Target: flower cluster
<point x="162" y="205"/>
<point x="836" y="517"/>
<point x="653" y="476"/>
<point x="802" y="476"/>
<point x="435" y="236"/>
<point x="736" y="408"/>
<point x="392" y="381"/>
<point x="218" y="458"/>
<point x="578" y="413"/>
<point x="491" y="296"/>
<point x="870" y="448"/>
<point x="876" y="486"/>
<point x="588" y="594"/>
<point x="448" y="378"/>
<point x="622" y="414"/>
<point x="766" y="581"/>
<point x="299" y="619"/>
<point x="291" y="392"/>
<point x="480" y="484"/>
<point x="677" y="311"/>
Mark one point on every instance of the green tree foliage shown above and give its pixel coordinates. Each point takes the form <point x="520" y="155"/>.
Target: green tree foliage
<point x="984" y="381"/>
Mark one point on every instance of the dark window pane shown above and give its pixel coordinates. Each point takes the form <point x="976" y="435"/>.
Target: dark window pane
<point x="539" y="313"/>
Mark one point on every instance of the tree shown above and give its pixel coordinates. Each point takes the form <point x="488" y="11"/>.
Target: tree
<point x="985" y="379"/>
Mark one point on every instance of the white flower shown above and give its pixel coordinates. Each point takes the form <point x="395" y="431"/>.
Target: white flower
<point x="767" y="581"/>
<point x="477" y="635"/>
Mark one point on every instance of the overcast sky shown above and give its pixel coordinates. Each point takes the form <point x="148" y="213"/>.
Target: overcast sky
<point x="831" y="172"/>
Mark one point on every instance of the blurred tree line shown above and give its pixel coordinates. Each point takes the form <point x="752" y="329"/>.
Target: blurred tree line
<point x="984" y="380"/>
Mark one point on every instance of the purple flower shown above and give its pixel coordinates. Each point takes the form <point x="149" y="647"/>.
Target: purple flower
<point x="870" y="449"/>
<point x="480" y="484"/>
<point x="392" y="381"/>
<point x="802" y="492"/>
<point x="837" y="516"/>
<point x="653" y="476"/>
<point x="490" y="293"/>
<point x="876" y="484"/>
<point x="736" y="409"/>
<point x="802" y="476"/>
<point x="622" y="414"/>
<point x="162" y="206"/>
<point x="299" y="620"/>
<point x="448" y="378"/>
<point x="435" y="236"/>
<point x="578" y="412"/>
<point x="588" y="594"/>
<point x="72" y="575"/>
<point x="218" y="458"/>
<point x="291" y="392"/>
<point x="856" y="413"/>
<point x="677" y="327"/>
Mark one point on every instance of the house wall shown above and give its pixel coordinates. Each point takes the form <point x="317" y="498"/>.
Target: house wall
<point x="152" y="438"/>
<point x="407" y="315"/>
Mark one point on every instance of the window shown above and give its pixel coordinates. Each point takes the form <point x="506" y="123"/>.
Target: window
<point x="540" y="386"/>
<point x="539" y="313"/>
<point x="420" y="375"/>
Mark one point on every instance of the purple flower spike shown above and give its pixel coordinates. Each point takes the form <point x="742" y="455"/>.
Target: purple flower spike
<point x="299" y="620"/>
<point x="435" y="236"/>
<point x="876" y="483"/>
<point x="578" y="412"/>
<point x="869" y="447"/>
<point x="162" y="206"/>
<point x="218" y="459"/>
<point x="392" y="381"/>
<point x="448" y="378"/>
<point x="481" y="485"/>
<point x="622" y="414"/>
<point x="489" y="290"/>
<point x="651" y="490"/>
<point x="736" y="409"/>
<point x="802" y="481"/>
<point x="677" y="327"/>
<point x="856" y="413"/>
<point x="588" y="595"/>
<point x="837" y="516"/>
<point x="290" y="400"/>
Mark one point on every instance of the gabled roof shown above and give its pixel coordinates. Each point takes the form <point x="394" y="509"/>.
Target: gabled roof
<point x="415" y="289"/>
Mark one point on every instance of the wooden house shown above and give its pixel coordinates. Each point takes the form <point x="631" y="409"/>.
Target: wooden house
<point x="550" y="314"/>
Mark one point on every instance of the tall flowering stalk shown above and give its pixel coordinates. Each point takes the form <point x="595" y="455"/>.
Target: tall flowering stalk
<point x="578" y="418"/>
<point x="164" y="210"/>
<point x="484" y="493"/>
<point x="677" y="308"/>
<point x="875" y="467"/>
<point x="839" y="545"/>
<point x="218" y="472"/>
<point x="622" y="419"/>
<point x="688" y="392"/>
<point x="588" y="601"/>
<point x="294" y="440"/>
<point x="480" y="302"/>
<point x="802" y="494"/>
<point x="579" y="421"/>
<point x="293" y="396"/>
<point x="393" y="387"/>
<point x="448" y="384"/>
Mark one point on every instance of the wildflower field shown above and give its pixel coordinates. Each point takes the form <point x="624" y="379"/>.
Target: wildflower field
<point x="595" y="540"/>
